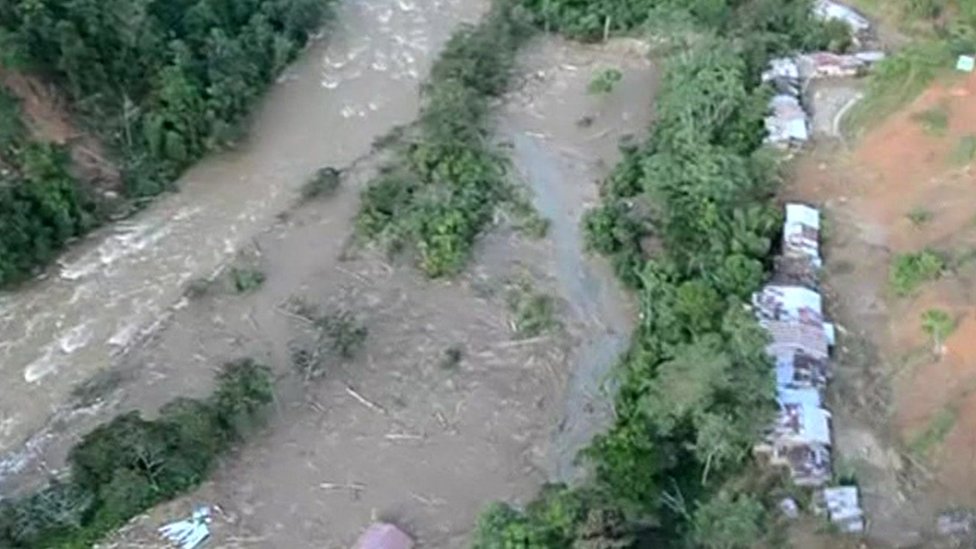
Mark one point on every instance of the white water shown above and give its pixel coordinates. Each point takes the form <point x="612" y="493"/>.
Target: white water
<point x="118" y="285"/>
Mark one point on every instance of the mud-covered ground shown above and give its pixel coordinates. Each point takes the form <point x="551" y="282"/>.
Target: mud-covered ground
<point x="406" y="430"/>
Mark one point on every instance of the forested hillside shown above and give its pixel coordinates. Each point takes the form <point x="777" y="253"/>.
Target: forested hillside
<point x="161" y="82"/>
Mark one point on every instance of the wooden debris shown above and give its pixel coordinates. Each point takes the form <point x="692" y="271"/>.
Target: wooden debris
<point x="362" y="400"/>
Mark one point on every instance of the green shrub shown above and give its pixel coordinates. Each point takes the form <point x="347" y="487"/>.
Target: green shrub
<point x="346" y="333"/>
<point x="964" y="151"/>
<point x="909" y="271"/>
<point x="246" y="279"/>
<point x="604" y="81"/>
<point x="934" y="120"/>
<point x="243" y="393"/>
<point x="533" y="313"/>
<point x="441" y="190"/>
<point x="129" y="464"/>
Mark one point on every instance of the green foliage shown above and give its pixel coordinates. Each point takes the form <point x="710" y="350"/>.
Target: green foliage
<point x="604" y="81"/>
<point x="938" y="324"/>
<point x="909" y="271"/>
<point x="41" y="207"/>
<point x="345" y="331"/>
<point x="964" y="151"/>
<point x="244" y="391"/>
<point x="930" y="437"/>
<point x="728" y="522"/>
<point x="163" y="81"/>
<point x="533" y="313"/>
<point x="934" y="120"/>
<point x="442" y="188"/>
<point x="919" y="216"/>
<point x="129" y="464"/>
<point x="246" y="279"/>
<point x="559" y="518"/>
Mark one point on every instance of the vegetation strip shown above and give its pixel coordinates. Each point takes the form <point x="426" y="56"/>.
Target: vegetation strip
<point x="446" y="179"/>
<point x="162" y="82"/>
<point x="130" y="464"/>
<point x="696" y="388"/>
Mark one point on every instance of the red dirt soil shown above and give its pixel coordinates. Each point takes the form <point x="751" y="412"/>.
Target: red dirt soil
<point x="47" y="117"/>
<point x="869" y="193"/>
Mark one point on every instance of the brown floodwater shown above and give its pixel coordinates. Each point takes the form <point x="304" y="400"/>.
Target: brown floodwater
<point x="123" y="282"/>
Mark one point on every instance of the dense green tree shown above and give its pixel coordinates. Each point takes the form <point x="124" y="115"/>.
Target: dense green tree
<point x="728" y="522"/>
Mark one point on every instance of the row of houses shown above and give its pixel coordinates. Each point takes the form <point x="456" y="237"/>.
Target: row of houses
<point x="790" y="307"/>
<point x="787" y="124"/>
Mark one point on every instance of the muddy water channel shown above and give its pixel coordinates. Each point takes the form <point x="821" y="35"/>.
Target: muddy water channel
<point x="121" y="283"/>
<point x="564" y="141"/>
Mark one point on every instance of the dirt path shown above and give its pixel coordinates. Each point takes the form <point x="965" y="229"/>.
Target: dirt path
<point x="121" y="283"/>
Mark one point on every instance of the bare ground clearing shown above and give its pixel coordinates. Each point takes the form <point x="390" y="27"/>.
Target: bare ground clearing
<point x="905" y="412"/>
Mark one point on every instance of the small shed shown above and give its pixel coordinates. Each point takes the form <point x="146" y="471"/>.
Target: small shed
<point x="835" y="11"/>
<point x="382" y="535"/>
<point x="844" y="508"/>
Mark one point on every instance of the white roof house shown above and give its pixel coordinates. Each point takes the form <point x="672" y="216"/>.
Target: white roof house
<point x="844" y="508"/>
<point x="795" y="369"/>
<point x="781" y="68"/>
<point x="801" y="233"/>
<point x="830" y="10"/>
<point x="802" y="418"/>
<point x="788" y="304"/>
<point x="787" y="123"/>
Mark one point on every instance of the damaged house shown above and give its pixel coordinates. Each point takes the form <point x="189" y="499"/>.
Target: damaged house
<point x="790" y="308"/>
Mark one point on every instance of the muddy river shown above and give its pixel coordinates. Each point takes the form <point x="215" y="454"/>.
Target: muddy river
<point x="125" y="280"/>
<point x="436" y="442"/>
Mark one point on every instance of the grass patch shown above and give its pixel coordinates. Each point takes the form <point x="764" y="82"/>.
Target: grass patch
<point x="919" y="216"/>
<point x="533" y="313"/>
<point x="935" y="121"/>
<point x="897" y="80"/>
<point x="909" y="271"/>
<point x="964" y="151"/>
<point x="922" y="444"/>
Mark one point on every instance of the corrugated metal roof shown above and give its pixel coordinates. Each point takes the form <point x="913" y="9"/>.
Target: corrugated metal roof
<point x="796" y="369"/>
<point x="786" y="336"/>
<point x="844" y="508"/>
<point x="801" y="233"/>
<point x="789" y="304"/>
<point x="830" y="10"/>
